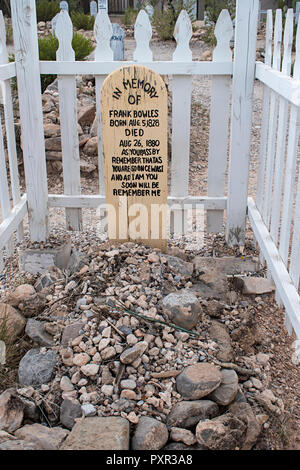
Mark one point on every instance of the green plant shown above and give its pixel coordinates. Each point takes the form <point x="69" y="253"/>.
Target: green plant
<point x="164" y="20"/>
<point x="213" y="9"/>
<point x="129" y="16"/>
<point x="46" y="9"/>
<point x="82" y="21"/>
<point x="49" y="45"/>
<point x="9" y="34"/>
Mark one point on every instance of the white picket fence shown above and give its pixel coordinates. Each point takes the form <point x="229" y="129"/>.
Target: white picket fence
<point x="231" y="97"/>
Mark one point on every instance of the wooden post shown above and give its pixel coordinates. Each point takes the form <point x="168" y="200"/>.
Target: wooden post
<point x="68" y="119"/>
<point x="31" y="115"/>
<point x="242" y="97"/>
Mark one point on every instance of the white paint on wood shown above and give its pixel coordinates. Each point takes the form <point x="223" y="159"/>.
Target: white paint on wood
<point x="280" y="275"/>
<point x="93" y="8"/>
<point x="164" y="68"/>
<point x="282" y="129"/>
<point x="68" y="119"/>
<point x="242" y="92"/>
<point x="182" y="33"/>
<point x="13" y="221"/>
<point x="9" y="125"/>
<point x="266" y="214"/>
<point x="265" y="115"/>
<point x="31" y="116"/>
<point x="142" y="35"/>
<point x="219" y="121"/>
<point x="7" y="71"/>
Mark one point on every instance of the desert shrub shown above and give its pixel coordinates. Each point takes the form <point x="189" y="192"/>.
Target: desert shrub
<point x="213" y="9"/>
<point x="129" y="16"/>
<point x="49" y="45"/>
<point x="82" y="21"/>
<point x="46" y="9"/>
<point x="164" y="20"/>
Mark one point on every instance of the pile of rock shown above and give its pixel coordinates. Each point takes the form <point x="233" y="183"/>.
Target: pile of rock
<point x="155" y="369"/>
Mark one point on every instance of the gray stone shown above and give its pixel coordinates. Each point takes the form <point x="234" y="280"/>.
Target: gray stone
<point x="198" y="381"/>
<point x="117" y="42"/>
<point x="12" y="321"/>
<point x="18" y="445"/>
<point x="186" y="414"/>
<point x="182" y="308"/>
<point x="243" y="412"/>
<point x="228" y="388"/>
<point x="225" y="432"/>
<point x="150" y="434"/>
<point x="131" y="354"/>
<point x="49" y="277"/>
<point x="21" y="293"/>
<point x="71" y="332"/>
<point x="183" y="435"/>
<point x="69" y="411"/>
<point x="37" y="261"/>
<point x="11" y="411"/>
<point x="219" y="333"/>
<point x="37" y="368"/>
<point x="180" y="266"/>
<point x="111" y="433"/>
<point x="77" y="261"/>
<point x="36" y="331"/>
<point x="45" y="438"/>
<point x="88" y="410"/>
<point x="254" y="285"/>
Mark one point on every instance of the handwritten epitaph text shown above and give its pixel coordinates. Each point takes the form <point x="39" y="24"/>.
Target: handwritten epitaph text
<point x="135" y="125"/>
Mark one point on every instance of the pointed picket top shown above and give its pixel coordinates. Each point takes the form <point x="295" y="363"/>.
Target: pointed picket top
<point x="182" y="33"/>
<point x="277" y="40"/>
<point x="288" y="42"/>
<point x="296" y="71"/>
<point x="64" y="34"/>
<point x="223" y="33"/>
<point x="3" y="49"/>
<point x="103" y="32"/>
<point x="142" y="35"/>
<point x="269" y="38"/>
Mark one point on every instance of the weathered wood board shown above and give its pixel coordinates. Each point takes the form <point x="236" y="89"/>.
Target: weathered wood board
<point x="134" y="109"/>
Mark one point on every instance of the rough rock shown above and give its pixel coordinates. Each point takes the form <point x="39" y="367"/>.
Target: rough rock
<point x="37" y="368"/>
<point x="5" y="436"/>
<point x="45" y="438"/>
<point x="225" y="432"/>
<point x="49" y="276"/>
<point x="69" y="411"/>
<point x="95" y="433"/>
<point x="182" y="268"/>
<point x="36" y="331"/>
<point x="243" y="411"/>
<point x="88" y="410"/>
<point x="86" y="115"/>
<point x="71" y="332"/>
<point x="198" y="380"/>
<point x="228" y="388"/>
<point x="18" y="445"/>
<point x="22" y="292"/>
<point x="254" y="285"/>
<point x="219" y="333"/>
<point x="13" y="320"/>
<point x="186" y="414"/>
<point x="150" y="434"/>
<point x="77" y="261"/>
<point x="90" y="369"/>
<point x="183" y="435"/>
<point x="131" y="354"/>
<point x="91" y="147"/>
<point x="11" y="411"/>
<point x="182" y="308"/>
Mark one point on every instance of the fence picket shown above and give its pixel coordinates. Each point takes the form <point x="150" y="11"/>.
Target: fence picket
<point x="272" y="122"/>
<point x="265" y="116"/>
<point x="181" y="117"/>
<point x="9" y="125"/>
<point x="219" y="120"/>
<point x="293" y="137"/>
<point x="4" y="189"/>
<point x="31" y="115"/>
<point x="142" y="35"/>
<point x="103" y="52"/>
<point x="68" y="119"/>
<point x="241" y="112"/>
<point x="282" y="129"/>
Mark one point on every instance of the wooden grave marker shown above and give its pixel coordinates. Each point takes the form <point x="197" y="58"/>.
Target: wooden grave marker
<point x="134" y="107"/>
